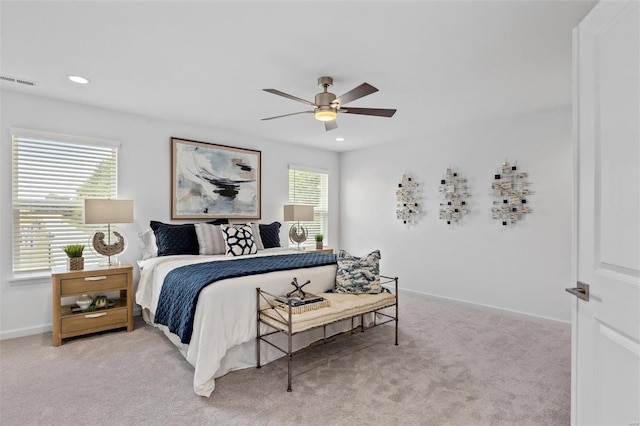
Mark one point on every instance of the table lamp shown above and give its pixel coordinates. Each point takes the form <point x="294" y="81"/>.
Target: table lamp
<point x="297" y="213"/>
<point x="106" y="211"/>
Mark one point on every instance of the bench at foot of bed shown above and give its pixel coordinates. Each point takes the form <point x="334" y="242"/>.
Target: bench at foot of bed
<point x="342" y="307"/>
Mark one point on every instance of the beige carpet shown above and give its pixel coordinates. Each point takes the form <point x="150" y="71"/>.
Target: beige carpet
<point x="455" y="365"/>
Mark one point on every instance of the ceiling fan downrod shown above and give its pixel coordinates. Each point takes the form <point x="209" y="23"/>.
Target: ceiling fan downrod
<point x="324" y="100"/>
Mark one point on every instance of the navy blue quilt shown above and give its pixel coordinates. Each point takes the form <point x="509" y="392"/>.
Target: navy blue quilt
<point x="182" y="286"/>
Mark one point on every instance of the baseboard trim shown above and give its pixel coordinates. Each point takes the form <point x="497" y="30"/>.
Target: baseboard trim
<point x="497" y="308"/>
<point x="27" y="331"/>
<point x="44" y="328"/>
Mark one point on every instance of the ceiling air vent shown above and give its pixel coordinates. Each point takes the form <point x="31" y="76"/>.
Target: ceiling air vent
<point x="17" y="80"/>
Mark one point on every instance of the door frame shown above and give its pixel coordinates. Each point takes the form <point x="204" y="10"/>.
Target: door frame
<point x="574" y="224"/>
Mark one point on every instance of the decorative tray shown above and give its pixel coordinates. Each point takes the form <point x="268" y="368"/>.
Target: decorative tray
<point x="298" y="305"/>
<point x="77" y="309"/>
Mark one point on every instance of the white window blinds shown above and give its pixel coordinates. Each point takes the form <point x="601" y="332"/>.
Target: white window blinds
<point x="51" y="176"/>
<point x="311" y="187"/>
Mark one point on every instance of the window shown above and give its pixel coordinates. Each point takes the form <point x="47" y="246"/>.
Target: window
<point x="51" y="176"/>
<point x="311" y="187"/>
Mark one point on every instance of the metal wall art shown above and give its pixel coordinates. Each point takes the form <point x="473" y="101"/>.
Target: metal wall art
<point x="510" y="191"/>
<point x="408" y="196"/>
<point x="453" y="194"/>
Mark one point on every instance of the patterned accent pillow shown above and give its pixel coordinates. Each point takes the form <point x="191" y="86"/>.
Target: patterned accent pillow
<point x="270" y="234"/>
<point x="239" y="239"/>
<point x="358" y="275"/>
<point x="210" y="239"/>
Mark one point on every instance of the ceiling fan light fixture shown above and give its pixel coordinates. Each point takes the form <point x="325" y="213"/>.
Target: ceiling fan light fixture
<point x="325" y="114"/>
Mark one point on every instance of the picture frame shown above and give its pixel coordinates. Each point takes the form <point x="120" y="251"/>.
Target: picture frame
<point x="212" y="181"/>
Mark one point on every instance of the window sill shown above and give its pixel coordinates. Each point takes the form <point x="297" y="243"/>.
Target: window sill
<point x="30" y="279"/>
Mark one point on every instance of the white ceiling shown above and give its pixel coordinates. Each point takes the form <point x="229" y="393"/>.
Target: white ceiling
<point x="441" y="64"/>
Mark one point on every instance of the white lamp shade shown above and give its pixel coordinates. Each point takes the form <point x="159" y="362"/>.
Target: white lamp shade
<point x="298" y="213"/>
<point x="108" y="211"/>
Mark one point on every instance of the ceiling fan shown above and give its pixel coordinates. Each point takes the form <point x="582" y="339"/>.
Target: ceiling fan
<point x="326" y="106"/>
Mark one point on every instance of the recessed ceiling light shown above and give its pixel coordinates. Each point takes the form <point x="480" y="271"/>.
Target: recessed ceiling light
<point x="78" y="79"/>
<point x="339" y="139"/>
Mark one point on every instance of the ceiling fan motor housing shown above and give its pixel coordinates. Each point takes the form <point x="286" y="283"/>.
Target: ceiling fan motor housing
<point x="325" y="99"/>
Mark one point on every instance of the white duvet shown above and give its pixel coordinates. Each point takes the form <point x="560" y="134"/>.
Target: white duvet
<point x="224" y="328"/>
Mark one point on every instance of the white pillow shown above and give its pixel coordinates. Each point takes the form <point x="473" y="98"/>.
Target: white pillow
<point x="148" y="247"/>
<point x="239" y="239"/>
<point x="256" y="236"/>
<point x="210" y="239"/>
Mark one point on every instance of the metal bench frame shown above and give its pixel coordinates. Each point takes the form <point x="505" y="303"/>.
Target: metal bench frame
<point x="287" y="321"/>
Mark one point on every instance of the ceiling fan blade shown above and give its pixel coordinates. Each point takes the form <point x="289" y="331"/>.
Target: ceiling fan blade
<point x="286" y="115"/>
<point x="378" y="112"/>
<point x="359" y="92"/>
<point x="286" y="95"/>
<point x="330" y="125"/>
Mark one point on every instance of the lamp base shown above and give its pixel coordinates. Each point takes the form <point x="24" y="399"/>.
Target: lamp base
<point x="108" y="243"/>
<point x="110" y="261"/>
<point x="298" y="234"/>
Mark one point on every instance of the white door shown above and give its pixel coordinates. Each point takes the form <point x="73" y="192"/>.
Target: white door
<point x="606" y="328"/>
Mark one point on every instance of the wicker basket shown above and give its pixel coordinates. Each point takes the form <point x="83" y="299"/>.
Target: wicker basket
<point x="75" y="263"/>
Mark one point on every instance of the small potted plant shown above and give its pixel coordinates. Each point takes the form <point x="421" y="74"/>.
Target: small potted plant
<point x="75" y="261"/>
<point x="319" y="238"/>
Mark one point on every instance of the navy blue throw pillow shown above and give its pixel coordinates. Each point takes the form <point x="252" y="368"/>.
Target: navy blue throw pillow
<point x="175" y="239"/>
<point x="218" y="222"/>
<point x="178" y="239"/>
<point x="270" y="235"/>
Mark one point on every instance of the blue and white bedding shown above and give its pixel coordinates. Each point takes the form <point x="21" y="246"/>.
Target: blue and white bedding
<point x="179" y="295"/>
<point x="224" y="322"/>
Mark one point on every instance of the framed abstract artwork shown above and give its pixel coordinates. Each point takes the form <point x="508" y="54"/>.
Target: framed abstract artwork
<point x="210" y="181"/>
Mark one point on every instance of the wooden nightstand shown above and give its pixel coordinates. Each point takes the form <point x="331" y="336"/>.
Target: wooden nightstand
<point x="93" y="280"/>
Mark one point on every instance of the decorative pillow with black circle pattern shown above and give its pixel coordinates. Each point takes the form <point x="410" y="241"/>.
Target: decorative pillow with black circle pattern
<point x="239" y="239"/>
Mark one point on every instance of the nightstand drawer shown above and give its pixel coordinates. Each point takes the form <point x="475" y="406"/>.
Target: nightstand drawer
<point x="92" y="284"/>
<point x="94" y="321"/>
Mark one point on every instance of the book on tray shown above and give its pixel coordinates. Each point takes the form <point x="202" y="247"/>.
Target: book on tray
<point x="298" y="301"/>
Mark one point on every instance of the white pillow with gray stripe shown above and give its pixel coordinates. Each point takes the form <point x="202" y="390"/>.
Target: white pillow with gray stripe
<point x="256" y="236"/>
<point x="210" y="239"/>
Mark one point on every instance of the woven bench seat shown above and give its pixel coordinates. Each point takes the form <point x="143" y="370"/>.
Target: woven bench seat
<point x="341" y="306"/>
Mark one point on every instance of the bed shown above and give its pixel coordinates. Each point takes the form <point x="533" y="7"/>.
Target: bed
<point x="224" y="323"/>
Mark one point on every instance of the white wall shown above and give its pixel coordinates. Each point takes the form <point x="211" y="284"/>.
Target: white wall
<point x="144" y="176"/>
<point x="523" y="269"/>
